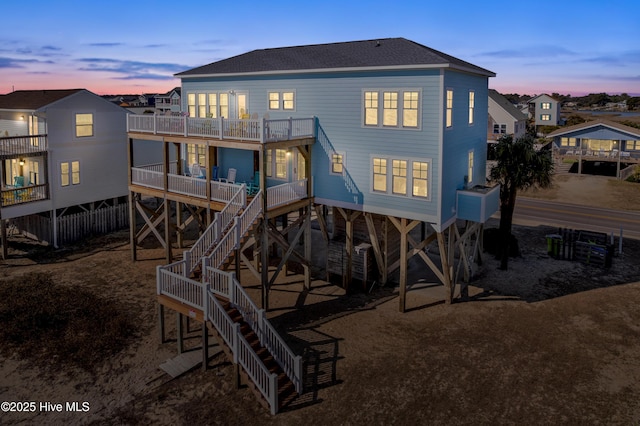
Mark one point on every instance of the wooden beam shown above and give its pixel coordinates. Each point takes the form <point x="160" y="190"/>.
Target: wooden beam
<point x="403" y="262"/>
<point x="381" y="260"/>
<point x="323" y="224"/>
<point x="150" y="226"/>
<point x="446" y="279"/>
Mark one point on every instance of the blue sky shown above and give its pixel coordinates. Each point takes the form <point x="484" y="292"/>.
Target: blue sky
<point x="137" y="46"/>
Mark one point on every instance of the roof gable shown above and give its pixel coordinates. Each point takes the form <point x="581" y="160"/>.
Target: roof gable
<point x="507" y="106"/>
<point x="33" y="99"/>
<point x="616" y="127"/>
<point x="383" y="53"/>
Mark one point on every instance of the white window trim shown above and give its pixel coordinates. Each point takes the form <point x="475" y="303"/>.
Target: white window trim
<point x="75" y="125"/>
<point x="389" y="192"/>
<point x="448" y="125"/>
<point x="207" y="106"/>
<point x="70" y="174"/>
<point x="273" y="164"/>
<point x="400" y="118"/>
<point x="471" y="165"/>
<point x="344" y="162"/>
<point x="281" y="93"/>
<point x="472" y="108"/>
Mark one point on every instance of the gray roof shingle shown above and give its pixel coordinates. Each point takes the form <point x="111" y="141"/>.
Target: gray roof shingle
<point x="33" y="99"/>
<point x="382" y="53"/>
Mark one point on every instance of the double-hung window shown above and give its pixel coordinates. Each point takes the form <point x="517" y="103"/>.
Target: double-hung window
<point x="472" y="105"/>
<point x="391" y="108"/>
<point x="470" y="168"/>
<point x="545" y="105"/>
<point x="212" y="105"/>
<point x="499" y="129"/>
<point x="69" y="173"/>
<point x="449" y="113"/>
<point x="284" y="100"/>
<point x="400" y="176"/>
<point x="545" y="117"/>
<point x="277" y="163"/>
<point x="84" y="125"/>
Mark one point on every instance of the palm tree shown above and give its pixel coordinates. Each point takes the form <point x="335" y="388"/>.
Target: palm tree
<point x="519" y="166"/>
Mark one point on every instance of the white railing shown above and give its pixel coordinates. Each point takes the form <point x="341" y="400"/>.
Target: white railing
<point x="286" y="193"/>
<point x="290" y="363"/>
<point x="222" y="191"/>
<point x="265" y="381"/>
<point x="187" y="185"/>
<point x="231" y="239"/>
<point x="225" y="285"/>
<point x="181" y="288"/>
<point x="223" y="128"/>
<point x="326" y="145"/>
<point x="210" y="237"/>
<point x="23" y="145"/>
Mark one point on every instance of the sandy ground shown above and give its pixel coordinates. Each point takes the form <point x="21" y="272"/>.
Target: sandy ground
<point x="546" y="342"/>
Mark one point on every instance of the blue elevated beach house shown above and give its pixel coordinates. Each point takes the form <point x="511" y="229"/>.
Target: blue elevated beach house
<point x="382" y="142"/>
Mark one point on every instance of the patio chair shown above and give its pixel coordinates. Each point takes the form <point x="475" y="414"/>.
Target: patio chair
<point x="253" y="186"/>
<point x="214" y="172"/>
<point x="196" y="171"/>
<point x="231" y="176"/>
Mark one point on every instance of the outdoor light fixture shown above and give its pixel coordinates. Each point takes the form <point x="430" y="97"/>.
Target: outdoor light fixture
<point x="22" y="117"/>
<point x="21" y="162"/>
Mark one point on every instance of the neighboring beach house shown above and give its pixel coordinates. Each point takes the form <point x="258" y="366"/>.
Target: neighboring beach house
<point x="388" y="136"/>
<point x="599" y="141"/>
<point x="64" y="169"/>
<point x="504" y="118"/>
<point x="168" y="102"/>
<point x="544" y="110"/>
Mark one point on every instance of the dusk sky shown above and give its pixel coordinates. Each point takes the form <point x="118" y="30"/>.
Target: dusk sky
<point x="123" y="47"/>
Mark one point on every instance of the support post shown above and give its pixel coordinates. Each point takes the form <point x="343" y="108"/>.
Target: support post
<point x="403" y="264"/>
<point x="3" y="233"/>
<point x="161" y="322"/>
<point x="132" y="226"/>
<point x="179" y="332"/>
<point x="205" y="345"/>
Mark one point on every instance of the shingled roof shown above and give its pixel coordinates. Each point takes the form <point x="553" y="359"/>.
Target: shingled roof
<point x="506" y="105"/>
<point x="385" y="53"/>
<point x="33" y="99"/>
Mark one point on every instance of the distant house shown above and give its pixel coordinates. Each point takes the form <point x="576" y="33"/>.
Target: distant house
<point x="598" y="141"/>
<point x="63" y="164"/>
<point x="504" y="118"/>
<point x="168" y="102"/>
<point x="544" y="110"/>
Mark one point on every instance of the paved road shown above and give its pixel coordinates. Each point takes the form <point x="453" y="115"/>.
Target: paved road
<point x="533" y="211"/>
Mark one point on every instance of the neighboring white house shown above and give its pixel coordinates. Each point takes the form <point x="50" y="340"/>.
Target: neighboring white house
<point x="504" y="118"/>
<point x="63" y="164"/>
<point x="545" y="110"/>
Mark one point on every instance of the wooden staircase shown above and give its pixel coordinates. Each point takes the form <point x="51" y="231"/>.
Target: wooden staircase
<point x="286" y="388"/>
<point x="210" y="295"/>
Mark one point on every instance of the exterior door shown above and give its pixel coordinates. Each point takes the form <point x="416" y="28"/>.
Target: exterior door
<point x="242" y="110"/>
<point x="299" y="169"/>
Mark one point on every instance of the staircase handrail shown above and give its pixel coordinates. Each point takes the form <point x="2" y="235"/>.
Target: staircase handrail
<point x="226" y="285"/>
<point x="179" y="287"/>
<point x="290" y="363"/>
<point x="242" y="351"/>
<point x="231" y="239"/>
<point x="264" y="380"/>
<point x="211" y="236"/>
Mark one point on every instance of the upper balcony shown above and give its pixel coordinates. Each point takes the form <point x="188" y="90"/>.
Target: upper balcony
<point x="252" y="129"/>
<point x="17" y="153"/>
<point x="14" y="146"/>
